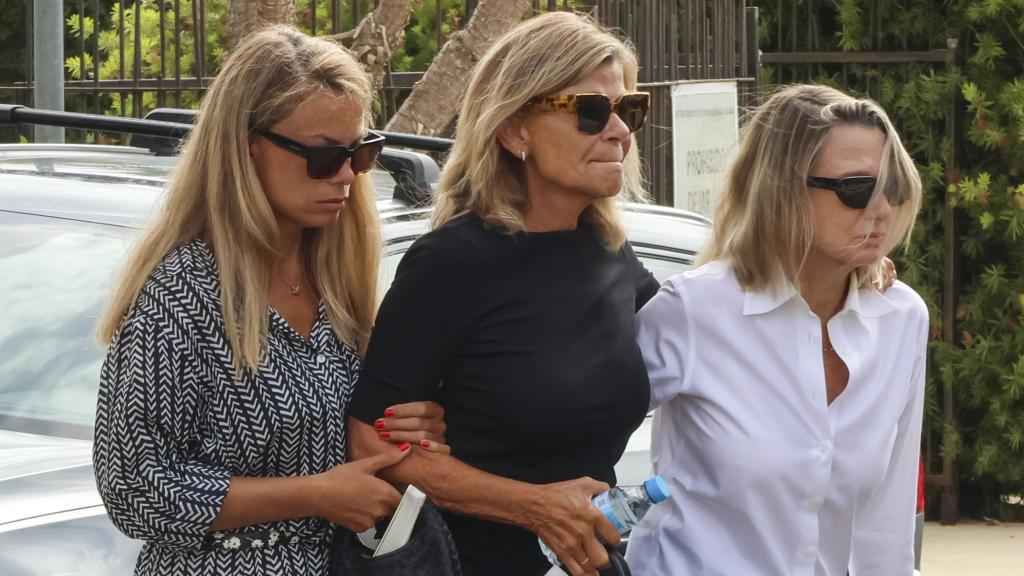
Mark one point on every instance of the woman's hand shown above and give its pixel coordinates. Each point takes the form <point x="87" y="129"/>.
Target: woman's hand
<point x="420" y="423"/>
<point x="566" y="520"/>
<point x="888" y="273"/>
<point x="352" y="495"/>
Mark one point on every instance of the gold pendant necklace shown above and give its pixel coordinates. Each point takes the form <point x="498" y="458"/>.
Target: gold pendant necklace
<point x="295" y="288"/>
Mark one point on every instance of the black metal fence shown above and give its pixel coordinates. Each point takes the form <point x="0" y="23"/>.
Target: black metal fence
<point x="109" y="68"/>
<point x="126" y="57"/>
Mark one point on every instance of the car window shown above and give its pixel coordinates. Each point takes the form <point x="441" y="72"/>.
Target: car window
<point x="55" y="277"/>
<point x="383" y="184"/>
<point x="663" y="267"/>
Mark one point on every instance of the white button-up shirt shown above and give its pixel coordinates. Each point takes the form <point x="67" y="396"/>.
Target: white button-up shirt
<point x="767" y="478"/>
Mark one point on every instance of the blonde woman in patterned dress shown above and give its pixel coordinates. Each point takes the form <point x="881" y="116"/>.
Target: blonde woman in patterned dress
<point x="236" y="330"/>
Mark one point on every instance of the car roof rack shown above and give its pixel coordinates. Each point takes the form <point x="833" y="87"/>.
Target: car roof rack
<point x="162" y="129"/>
<point x="16" y="114"/>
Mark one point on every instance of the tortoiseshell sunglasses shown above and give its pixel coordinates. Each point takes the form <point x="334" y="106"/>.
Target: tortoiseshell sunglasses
<point x="593" y="110"/>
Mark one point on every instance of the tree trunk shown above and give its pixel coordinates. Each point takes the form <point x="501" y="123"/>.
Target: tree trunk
<point x="436" y="99"/>
<point x="378" y="35"/>
<point x="246" y="16"/>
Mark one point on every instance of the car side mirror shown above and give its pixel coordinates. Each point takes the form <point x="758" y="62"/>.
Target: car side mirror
<point x="160" y="145"/>
<point x="415" y="175"/>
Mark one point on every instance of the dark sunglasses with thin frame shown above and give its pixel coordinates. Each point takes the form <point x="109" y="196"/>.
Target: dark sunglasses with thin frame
<point x="854" y="191"/>
<point x="323" y="162"/>
<point x="594" y="110"/>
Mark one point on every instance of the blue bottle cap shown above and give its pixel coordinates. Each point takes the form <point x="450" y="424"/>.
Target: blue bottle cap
<point x="657" y="489"/>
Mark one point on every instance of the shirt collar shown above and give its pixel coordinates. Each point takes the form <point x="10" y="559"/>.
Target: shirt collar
<point x="764" y="301"/>
<point x="867" y="303"/>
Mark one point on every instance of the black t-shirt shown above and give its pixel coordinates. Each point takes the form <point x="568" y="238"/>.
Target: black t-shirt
<point x="527" y="340"/>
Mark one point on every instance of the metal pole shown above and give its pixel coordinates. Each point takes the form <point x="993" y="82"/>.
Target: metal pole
<point x="949" y="511"/>
<point x="753" y="56"/>
<point x="48" y="64"/>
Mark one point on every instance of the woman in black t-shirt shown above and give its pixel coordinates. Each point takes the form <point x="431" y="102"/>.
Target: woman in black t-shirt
<point x="516" y="311"/>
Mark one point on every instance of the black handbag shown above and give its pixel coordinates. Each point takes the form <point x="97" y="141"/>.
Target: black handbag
<point x="430" y="551"/>
<point x="617" y="565"/>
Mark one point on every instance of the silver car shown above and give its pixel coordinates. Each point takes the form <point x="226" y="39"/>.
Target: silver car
<point x="68" y="214"/>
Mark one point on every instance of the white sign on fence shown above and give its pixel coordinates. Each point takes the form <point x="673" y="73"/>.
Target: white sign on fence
<point x="705" y="129"/>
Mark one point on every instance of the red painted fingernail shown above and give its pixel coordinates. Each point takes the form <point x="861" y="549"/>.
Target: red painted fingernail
<point x="379" y="423"/>
<point x="425" y="443"/>
<point x="385" y="434"/>
<point x="404" y="446"/>
<point x="389" y="412"/>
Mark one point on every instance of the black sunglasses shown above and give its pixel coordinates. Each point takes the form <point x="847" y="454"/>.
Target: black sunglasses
<point x="593" y="110"/>
<point x="855" y="191"/>
<point x="323" y="162"/>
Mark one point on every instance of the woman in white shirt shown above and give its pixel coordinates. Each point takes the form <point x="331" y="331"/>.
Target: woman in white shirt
<point x="789" y="388"/>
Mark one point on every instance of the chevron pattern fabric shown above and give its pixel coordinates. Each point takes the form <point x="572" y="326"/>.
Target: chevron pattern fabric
<point x="174" y="423"/>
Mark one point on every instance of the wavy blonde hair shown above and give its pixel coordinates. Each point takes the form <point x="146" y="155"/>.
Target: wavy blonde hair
<point x="215" y="195"/>
<point x="764" y="223"/>
<point x="538" y="57"/>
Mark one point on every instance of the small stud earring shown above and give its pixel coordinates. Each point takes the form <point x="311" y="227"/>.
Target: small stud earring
<point x="522" y="155"/>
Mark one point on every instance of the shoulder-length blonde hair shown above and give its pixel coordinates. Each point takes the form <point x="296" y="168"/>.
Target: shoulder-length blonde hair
<point x="538" y="57"/>
<point x="215" y="195"/>
<point x="763" y="225"/>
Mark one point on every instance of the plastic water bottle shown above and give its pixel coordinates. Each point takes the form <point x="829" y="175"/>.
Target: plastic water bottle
<point x="623" y="507"/>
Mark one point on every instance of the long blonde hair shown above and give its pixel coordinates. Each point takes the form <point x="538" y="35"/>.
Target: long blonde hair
<point x="215" y="195"/>
<point x="538" y="57"/>
<point x="763" y="224"/>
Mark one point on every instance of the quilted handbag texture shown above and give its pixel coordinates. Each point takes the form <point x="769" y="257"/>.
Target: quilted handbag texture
<point x="430" y="551"/>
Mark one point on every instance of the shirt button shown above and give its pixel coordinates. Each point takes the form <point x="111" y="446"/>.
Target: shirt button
<point x="807" y="552"/>
<point x="823" y="448"/>
<point x="812" y="503"/>
<point x="320" y="358"/>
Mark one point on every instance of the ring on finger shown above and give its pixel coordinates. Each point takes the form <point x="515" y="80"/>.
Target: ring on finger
<point x="584" y="561"/>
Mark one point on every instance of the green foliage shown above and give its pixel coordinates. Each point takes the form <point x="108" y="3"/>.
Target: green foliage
<point x="988" y="50"/>
<point x="13" y="65"/>
<point x="13" y="37"/>
<point x="985" y="362"/>
<point x="851" y="32"/>
<point x="420" y="44"/>
<point x="304" y="16"/>
<point x="178" y="53"/>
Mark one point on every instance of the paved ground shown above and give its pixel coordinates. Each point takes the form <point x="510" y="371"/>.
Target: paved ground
<point x="969" y="549"/>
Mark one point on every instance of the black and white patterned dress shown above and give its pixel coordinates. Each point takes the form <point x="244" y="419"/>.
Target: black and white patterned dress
<point x="173" y="424"/>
